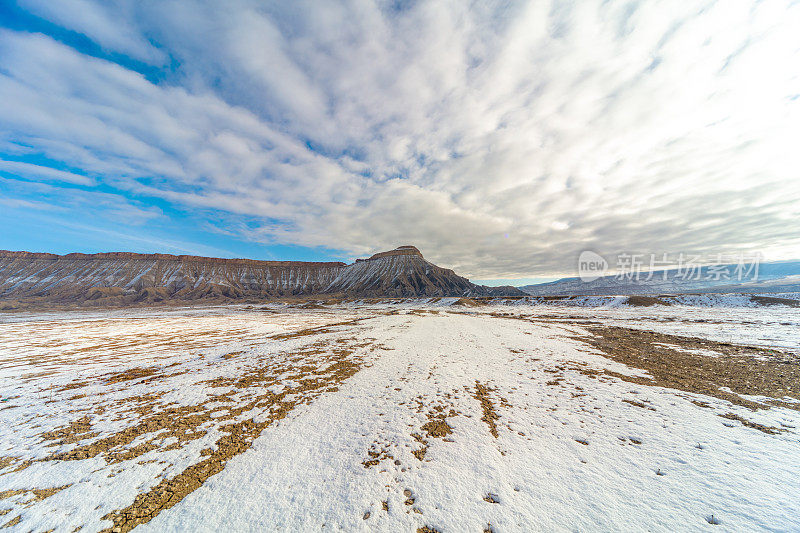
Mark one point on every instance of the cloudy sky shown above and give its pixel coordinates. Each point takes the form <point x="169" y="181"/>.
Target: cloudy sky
<point x="501" y="138"/>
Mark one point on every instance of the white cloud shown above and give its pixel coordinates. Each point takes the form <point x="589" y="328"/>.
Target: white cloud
<point x="30" y="171"/>
<point x="110" y="24"/>
<point x="500" y="139"/>
<point x="79" y="203"/>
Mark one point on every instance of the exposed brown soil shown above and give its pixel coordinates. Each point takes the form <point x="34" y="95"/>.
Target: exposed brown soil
<point x="41" y="494"/>
<point x="11" y="492"/>
<point x="171" y="491"/>
<point x="771" y="300"/>
<point x="238" y="436"/>
<point x="437" y="428"/>
<point x="36" y="494"/>
<point x="13" y="522"/>
<point x="420" y="453"/>
<point x="489" y="413"/>
<point x="240" y="413"/>
<point x="645" y="301"/>
<point x="131" y="374"/>
<point x="180" y="422"/>
<point x="377" y="453"/>
<point x="771" y="430"/>
<point x="638" y="404"/>
<point x="22" y="464"/>
<point x="315" y="330"/>
<point x="742" y="369"/>
<point x="75" y="431"/>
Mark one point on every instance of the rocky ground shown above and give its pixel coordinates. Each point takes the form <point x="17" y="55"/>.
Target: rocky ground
<point x="401" y="416"/>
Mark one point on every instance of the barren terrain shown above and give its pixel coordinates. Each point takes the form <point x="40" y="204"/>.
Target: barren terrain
<point x="405" y="415"/>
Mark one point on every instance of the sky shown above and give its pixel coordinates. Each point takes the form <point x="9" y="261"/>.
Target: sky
<point x="500" y="138"/>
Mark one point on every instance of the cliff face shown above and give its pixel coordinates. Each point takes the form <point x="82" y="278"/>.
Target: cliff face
<point x="401" y="272"/>
<point x="157" y="276"/>
<point x="130" y="277"/>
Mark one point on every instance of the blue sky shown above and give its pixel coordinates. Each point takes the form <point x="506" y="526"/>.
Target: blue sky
<point x="501" y="138"/>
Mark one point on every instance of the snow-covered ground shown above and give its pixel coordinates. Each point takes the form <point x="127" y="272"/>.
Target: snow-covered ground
<point x="381" y="417"/>
<point x="771" y="327"/>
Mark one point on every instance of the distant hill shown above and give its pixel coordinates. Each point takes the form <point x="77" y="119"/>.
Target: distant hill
<point x="773" y="277"/>
<point x="121" y="278"/>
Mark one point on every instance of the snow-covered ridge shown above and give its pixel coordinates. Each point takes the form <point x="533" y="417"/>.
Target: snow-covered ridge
<point x="692" y="300"/>
<point x="149" y="277"/>
<point x="767" y="277"/>
<point x="401" y="272"/>
<point x="27" y="274"/>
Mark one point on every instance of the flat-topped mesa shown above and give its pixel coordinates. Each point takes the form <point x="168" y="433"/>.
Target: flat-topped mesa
<point x="134" y="256"/>
<point x="400" y="250"/>
<point x="138" y="277"/>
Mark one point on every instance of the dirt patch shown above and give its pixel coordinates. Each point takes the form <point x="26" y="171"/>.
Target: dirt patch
<point x="770" y="430"/>
<point x="237" y="439"/>
<point x="377" y="453"/>
<point x="645" y="301"/>
<point x="13" y="522"/>
<point x="437" y="428"/>
<point x="315" y="330"/>
<point x="638" y="404"/>
<point x="258" y="391"/>
<point x="75" y="431"/>
<point x="41" y="494"/>
<point x="132" y="374"/>
<point x="489" y="413"/>
<point x="171" y="491"/>
<point x="742" y="369"/>
<point x="36" y="495"/>
<point x="6" y="462"/>
<point x="72" y="386"/>
<point x="11" y="493"/>
<point x="771" y="300"/>
<point x="188" y="423"/>
<point x="420" y="453"/>
<point x="181" y="422"/>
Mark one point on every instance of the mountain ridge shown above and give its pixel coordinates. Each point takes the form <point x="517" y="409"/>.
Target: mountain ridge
<point x="768" y="277"/>
<point x="141" y="256"/>
<point x="129" y="277"/>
